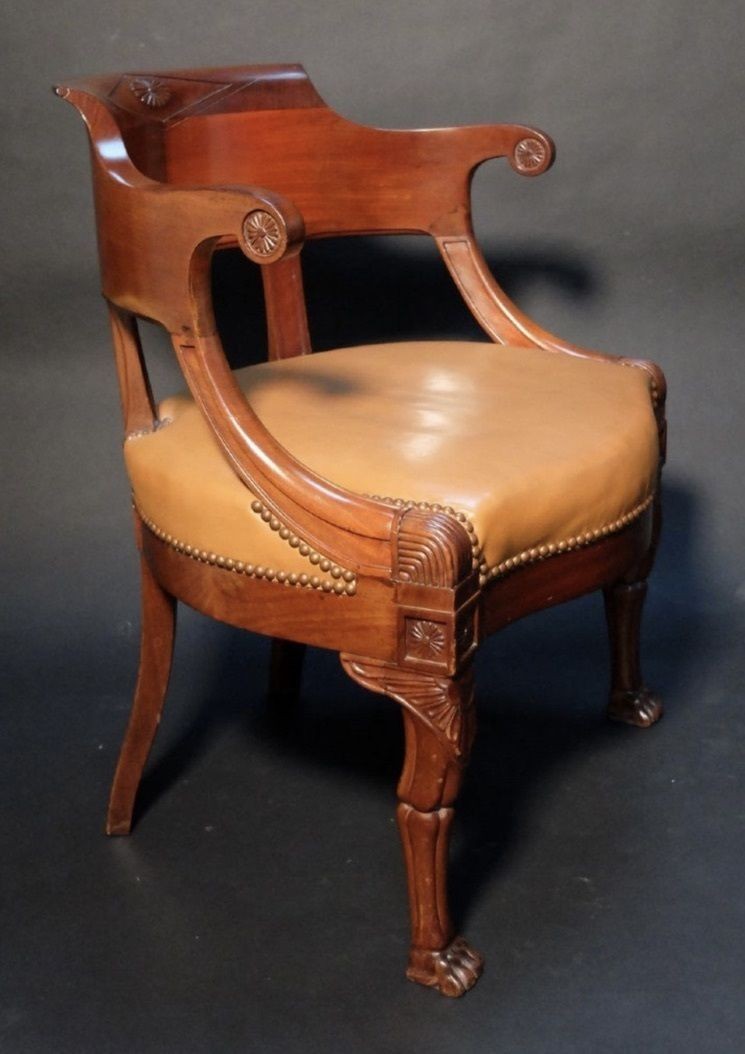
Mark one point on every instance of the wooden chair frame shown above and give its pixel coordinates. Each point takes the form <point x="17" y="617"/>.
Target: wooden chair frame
<point x="403" y="574"/>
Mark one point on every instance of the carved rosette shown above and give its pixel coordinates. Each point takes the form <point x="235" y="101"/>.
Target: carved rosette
<point x="432" y="568"/>
<point x="150" y="91"/>
<point x="262" y="236"/>
<point x="531" y="156"/>
<point x="425" y="639"/>
<point x="444" y="704"/>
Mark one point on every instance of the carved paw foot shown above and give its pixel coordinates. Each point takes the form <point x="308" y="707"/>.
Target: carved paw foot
<point x="452" y="970"/>
<point x="640" y="708"/>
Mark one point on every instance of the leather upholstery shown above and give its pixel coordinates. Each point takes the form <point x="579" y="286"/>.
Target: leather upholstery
<point x="537" y="448"/>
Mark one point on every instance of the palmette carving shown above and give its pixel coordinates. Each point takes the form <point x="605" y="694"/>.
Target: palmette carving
<point x="444" y="704"/>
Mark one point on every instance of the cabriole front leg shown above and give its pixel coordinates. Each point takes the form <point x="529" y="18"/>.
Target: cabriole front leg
<point x="438" y="721"/>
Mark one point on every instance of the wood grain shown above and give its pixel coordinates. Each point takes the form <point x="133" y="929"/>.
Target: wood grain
<point x="189" y="162"/>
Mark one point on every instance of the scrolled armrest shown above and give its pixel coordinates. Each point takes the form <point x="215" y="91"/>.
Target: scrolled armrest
<point x="156" y="241"/>
<point x="151" y="232"/>
<point x="529" y="151"/>
<point x="505" y="323"/>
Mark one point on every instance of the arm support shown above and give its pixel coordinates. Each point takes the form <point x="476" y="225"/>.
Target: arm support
<point x="156" y="242"/>
<point x="505" y="323"/>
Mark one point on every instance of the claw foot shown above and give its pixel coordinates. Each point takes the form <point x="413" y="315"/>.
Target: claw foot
<point x="640" y="708"/>
<point x="452" y="970"/>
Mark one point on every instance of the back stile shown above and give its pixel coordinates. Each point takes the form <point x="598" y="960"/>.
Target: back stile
<point x="138" y="405"/>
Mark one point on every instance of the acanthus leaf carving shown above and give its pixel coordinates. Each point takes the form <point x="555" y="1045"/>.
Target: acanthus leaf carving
<point x="444" y="704"/>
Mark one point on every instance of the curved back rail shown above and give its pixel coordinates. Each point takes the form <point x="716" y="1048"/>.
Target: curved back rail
<point x="179" y="160"/>
<point x="267" y="126"/>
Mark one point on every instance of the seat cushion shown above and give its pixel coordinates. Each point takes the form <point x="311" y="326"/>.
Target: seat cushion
<point x="535" y="450"/>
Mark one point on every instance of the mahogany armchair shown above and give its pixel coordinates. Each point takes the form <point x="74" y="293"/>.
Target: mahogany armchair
<point x="463" y="485"/>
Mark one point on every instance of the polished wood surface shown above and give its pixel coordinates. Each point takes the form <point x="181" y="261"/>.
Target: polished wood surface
<point x="186" y="163"/>
<point x="157" y="629"/>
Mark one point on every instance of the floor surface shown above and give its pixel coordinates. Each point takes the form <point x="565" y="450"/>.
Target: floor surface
<point x="259" y="904"/>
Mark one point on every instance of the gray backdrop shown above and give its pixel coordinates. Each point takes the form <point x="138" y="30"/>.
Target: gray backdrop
<point x="634" y="243"/>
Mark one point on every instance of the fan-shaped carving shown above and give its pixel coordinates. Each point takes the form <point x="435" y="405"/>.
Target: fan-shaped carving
<point x="432" y="549"/>
<point x="444" y="704"/>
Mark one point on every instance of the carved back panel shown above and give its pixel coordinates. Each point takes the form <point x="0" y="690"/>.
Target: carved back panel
<point x="267" y="126"/>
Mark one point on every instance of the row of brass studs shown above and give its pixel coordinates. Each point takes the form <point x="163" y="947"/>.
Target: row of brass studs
<point x="654" y="391"/>
<point x="342" y="583"/>
<point x="313" y="557"/>
<point x="541" y="552"/>
<point x="528" y="556"/>
<point x="434" y="506"/>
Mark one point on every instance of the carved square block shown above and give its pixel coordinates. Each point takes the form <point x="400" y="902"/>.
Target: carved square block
<point x="426" y="639"/>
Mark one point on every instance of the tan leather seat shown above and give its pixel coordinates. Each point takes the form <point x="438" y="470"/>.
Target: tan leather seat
<point x="537" y="451"/>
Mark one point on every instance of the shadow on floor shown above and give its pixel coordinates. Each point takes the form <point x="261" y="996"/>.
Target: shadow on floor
<point x="541" y="686"/>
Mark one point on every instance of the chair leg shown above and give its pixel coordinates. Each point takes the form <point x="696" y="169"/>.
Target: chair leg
<point x="156" y="654"/>
<point x="285" y="676"/>
<point x="438" y="723"/>
<point x="630" y="700"/>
